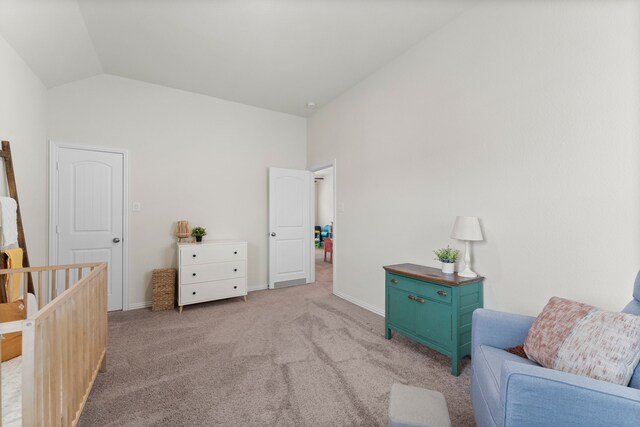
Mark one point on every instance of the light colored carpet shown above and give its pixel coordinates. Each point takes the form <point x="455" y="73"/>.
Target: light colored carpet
<point x="296" y="356"/>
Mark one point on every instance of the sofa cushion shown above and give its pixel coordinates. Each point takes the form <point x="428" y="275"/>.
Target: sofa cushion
<point x="487" y="362"/>
<point x="583" y="340"/>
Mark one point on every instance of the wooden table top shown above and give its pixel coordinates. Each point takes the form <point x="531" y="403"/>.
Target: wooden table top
<point x="430" y="274"/>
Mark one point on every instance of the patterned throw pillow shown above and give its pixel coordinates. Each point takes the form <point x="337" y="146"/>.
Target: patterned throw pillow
<point x="583" y="340"/>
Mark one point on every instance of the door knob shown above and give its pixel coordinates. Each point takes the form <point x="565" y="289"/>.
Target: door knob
<point x="273" y="234"/>
<point x="116" y="239"/>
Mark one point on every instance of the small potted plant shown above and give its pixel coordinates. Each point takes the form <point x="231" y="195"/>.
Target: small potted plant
<point x="448" y="257"/>
<point x="198" y="233"/>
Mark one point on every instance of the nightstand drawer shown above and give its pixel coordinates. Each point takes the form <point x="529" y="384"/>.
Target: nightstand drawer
<point x="199" y="254"/>
<point x="420" y="289"/>
<point x="215" y="271"/>
<point x="208" y="291"/>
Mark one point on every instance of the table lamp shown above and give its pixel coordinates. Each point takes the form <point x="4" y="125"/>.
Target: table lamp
<point x="467" y="228"/>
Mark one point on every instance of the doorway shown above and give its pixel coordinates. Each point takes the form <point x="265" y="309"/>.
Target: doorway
<point x="324" y="225"/>
<point x="87" y="211"/>
<point x="296" y="251"/>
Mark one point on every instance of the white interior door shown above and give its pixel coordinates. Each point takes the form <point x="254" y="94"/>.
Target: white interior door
<point x="290" y="230"/>
<point x="90" y="212"/>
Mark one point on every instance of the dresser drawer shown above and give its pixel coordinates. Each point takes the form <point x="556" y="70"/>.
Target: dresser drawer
<point x="196" y="254"/>
<point x="214" y="271"/>
<point x="421" y="289"/>
<point x="208" y="291"/>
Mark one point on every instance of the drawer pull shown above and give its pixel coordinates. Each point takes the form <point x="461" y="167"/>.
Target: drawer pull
<point x="442" y="293"/>
<point x="420" y="300"/>
<point x="194" y="274"/>
<point x="194" y="255"/>
<point x="394" y="281"/>
<point x="194" y="292"/>
<point x="411" y="297"/>
<point x="235" y="269"/>
<point x="235" y="287"/>
<point x="235" y="252"/>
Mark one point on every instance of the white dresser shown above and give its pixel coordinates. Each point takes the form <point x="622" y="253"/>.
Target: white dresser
<point x="211" y="270"/>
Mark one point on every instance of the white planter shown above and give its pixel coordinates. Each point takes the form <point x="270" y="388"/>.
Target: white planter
<point x="447" y="267"/>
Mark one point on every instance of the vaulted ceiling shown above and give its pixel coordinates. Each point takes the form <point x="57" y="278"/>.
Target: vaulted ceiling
<point x="275" y="54"/>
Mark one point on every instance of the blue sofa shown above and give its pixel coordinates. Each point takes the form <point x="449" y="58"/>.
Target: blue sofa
<point x="508" y="390"/>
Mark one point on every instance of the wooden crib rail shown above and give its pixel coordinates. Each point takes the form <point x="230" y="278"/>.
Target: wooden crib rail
<point x="63" y="346"/>
<point x="45" y="287"/>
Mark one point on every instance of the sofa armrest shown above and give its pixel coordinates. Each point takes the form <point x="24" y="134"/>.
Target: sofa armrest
<point x="498" y="329"/>
<point x="533" y="395"/>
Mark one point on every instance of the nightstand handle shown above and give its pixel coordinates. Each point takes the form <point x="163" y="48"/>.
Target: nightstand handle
<point x="442" y="293"/>
<point x="420" y="300"/>
<point x="394" y="281"/>
<point x="411" y="297"/>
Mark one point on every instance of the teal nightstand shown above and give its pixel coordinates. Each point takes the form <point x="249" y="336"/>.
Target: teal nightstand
<point x="432" y="308"/>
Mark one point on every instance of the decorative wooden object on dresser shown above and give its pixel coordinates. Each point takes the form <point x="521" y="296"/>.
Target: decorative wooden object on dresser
<point x="211" y="270"/>
<point x="432" y="308"/>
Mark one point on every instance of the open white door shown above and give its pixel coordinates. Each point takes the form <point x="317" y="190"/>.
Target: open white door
<point x="290" y="230"/>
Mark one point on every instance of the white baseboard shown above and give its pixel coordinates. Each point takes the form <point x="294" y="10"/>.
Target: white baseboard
<point x="137" y="305"/>
<point x="359" y="303"/>
<point x="145" y="304"/>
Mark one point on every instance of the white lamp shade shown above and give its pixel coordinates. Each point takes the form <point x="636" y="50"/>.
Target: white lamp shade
<point x="467" y="228"/>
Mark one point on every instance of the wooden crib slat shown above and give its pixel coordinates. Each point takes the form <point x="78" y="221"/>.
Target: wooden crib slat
<point x="54" y="290"/>
<point x="39" y="369"/>
<point x="79" y="344"/>
<point x="79" y="273"/>
<point x="40" y="297"/>
<point x="52" y="368"/>
<point x="64" y="359"/>
<point x="66" y="279"/>
<point x="46" y="363"/>
<point x="25" y="292"/>
<point x="72" y="365"/>
<point x="28" y="375"/>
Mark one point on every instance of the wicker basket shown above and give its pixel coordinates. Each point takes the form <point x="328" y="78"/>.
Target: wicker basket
<point x="164" y="289"/>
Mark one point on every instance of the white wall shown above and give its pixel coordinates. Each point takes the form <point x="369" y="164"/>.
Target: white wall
<point x="192" y="157"/>
<point x="23" y="123"/>
<point x="526" y="114"/>
<point x="324" y="198"/>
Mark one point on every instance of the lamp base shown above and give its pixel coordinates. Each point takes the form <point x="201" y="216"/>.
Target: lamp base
<point x="467" y="272"/>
